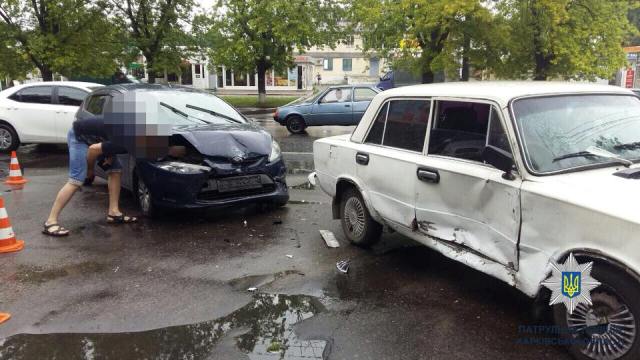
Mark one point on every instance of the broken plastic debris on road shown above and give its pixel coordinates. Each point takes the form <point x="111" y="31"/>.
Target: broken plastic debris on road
<point x="329" y="238"/>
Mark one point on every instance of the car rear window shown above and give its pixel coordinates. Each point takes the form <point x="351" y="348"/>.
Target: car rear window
<point x="70" y="96"/>
<point x="95" y="104"/>
<point x="401" y="124"/>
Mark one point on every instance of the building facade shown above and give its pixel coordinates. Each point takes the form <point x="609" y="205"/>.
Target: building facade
<point x="344" y="64"/>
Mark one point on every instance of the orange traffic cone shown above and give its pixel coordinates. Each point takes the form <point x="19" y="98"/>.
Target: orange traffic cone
<point x="15" y="174"/>
<point x="8" y="242"/>
<point x="4" y="317"/>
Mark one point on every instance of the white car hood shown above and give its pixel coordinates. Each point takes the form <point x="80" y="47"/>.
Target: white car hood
<point x="598" y="190"/>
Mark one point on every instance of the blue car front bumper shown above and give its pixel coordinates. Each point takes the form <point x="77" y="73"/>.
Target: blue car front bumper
<point x="173" y="190"/>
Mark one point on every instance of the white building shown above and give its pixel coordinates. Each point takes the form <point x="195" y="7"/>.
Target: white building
<point x="319" y="65"/>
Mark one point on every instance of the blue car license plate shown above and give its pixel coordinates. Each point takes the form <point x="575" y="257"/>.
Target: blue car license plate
<point x="239" y="183"/>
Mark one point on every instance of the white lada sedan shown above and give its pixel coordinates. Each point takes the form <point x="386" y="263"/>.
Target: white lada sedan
<point x="509" y="178"/>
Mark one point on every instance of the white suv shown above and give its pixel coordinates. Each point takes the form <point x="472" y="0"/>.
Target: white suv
<point x="39" y="112"/>
<point x="508" y="178"/>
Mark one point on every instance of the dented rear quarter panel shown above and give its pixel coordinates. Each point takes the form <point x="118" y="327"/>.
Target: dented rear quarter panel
<point x="334" y="160"/>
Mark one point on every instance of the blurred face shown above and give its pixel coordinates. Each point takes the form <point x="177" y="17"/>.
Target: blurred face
<point x="338" y="94"/>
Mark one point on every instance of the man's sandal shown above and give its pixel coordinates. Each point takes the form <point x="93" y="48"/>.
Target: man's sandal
<point x="121" y="219"/>
<point x="59" y="232"/>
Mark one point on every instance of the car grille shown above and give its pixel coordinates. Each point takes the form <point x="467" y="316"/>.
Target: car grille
<point x="211" y="192"/>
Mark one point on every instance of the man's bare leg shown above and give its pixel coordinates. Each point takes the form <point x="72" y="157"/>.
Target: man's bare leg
<point x="95" y="150"/>
<point x="62" y="199"/>
<point x="113" y="180"/>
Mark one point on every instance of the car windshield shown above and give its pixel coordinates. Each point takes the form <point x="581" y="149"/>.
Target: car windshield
<point x="572" y="131"/>
<point x="305" y="99"/>
<point x="189" y="107"/>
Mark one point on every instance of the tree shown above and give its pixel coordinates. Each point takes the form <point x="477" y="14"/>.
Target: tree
<point x="69" y="37"/>
<point x="427" y="35"/>
<point x="259" y="35"/>
<point x="155" y="28"/>
<point x="568" y="39"/>
<point x="634" y="18"/>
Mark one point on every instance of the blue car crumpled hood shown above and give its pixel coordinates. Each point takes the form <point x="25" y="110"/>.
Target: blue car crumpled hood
<point x="227" y="140"/>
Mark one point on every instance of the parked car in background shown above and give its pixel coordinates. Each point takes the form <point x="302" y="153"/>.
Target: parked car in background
<point x="222" y="158"/>
<point x="40" y="112"/>
<point x="337" y="105"/>
<point x="507" y="178"/>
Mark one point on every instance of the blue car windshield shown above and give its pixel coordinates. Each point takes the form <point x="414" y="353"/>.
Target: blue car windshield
<point x="187" y="108"/>
<point x="572" y="131"/>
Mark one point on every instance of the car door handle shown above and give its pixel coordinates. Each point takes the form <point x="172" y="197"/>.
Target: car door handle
<point x="347" y="105"/>
<point x="362" y="158"/>
<point x="428" y="175"/>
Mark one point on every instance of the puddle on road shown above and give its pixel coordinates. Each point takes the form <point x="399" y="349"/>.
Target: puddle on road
<point x="266" y="325"/>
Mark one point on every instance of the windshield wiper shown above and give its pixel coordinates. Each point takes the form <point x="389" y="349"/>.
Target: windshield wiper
<point x="211" y="112"/>
<point x="177" y="111"/>
<point x="594" y="151"/>
<point x="628" y="146"/>
<point x="182" y="113"/>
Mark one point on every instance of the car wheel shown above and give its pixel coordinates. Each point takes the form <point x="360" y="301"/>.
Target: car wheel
<point x="607" y="329"/>
<point x="357" y="224"/>
<point x="296" y="124"/>
<point x="8" y="138"/>
<point x="145" y="200"/>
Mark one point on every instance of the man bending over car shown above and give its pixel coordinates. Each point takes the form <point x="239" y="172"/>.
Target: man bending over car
<point x="87" y="142"/>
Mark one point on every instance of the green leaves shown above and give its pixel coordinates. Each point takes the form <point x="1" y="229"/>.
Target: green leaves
<point x="63" y="36"/>
<point x="563" y="39"/>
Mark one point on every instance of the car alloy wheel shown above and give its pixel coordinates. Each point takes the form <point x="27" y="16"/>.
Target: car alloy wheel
<point x="607" y="328"/>
<point x="144" y="197"/>
<point x="6" y="139"/>
<point x="354" y="217"/>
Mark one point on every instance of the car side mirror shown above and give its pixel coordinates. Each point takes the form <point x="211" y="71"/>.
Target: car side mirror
<point x="500" y="159"/>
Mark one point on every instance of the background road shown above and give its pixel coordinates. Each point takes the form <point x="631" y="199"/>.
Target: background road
<point x="177" y="287"/>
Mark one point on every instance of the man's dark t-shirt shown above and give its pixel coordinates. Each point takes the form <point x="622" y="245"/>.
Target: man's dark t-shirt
<point x="92" y="131"/>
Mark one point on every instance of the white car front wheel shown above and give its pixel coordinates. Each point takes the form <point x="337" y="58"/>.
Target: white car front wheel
<point x="8" y="138"/>
<point x="608" y="328"/>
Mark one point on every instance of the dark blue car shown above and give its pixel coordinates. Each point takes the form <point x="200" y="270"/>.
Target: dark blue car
<point x="217" y="158"/>
<point x="337" y="105"/>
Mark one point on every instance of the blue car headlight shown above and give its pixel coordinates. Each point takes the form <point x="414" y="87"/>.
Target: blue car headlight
<point x="275" y="151"/>
<point x="182" y="168"/>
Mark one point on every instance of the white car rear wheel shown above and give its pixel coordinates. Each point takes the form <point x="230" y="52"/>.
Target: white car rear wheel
<point x="357" y="224"/>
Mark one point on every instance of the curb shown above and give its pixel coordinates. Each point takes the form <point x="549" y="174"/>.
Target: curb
<point x="256" y="111"/>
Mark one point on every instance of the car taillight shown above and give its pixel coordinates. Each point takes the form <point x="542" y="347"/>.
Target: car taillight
<point x="275" y="114"/>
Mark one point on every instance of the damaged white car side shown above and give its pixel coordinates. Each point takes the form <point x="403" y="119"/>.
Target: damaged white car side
<point x="505" y="177"/>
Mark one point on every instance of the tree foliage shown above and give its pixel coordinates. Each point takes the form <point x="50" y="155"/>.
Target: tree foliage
<point x="568" y="39"/>
<point x="427" y="36"/>
<point x="258" y="35"/>
<point x="155" y="28"/>
<point x="62" y="36"/>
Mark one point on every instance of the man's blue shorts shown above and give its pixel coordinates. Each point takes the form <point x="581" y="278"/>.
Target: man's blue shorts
<point x="78" y="160"/>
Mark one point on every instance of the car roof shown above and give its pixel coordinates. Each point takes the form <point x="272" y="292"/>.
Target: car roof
<point x="501" y="91"/>
<point x="122" y="88"/>
<point x="81" y="84"/>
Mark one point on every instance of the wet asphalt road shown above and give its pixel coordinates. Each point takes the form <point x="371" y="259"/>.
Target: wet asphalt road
<point x="176" y="287"/>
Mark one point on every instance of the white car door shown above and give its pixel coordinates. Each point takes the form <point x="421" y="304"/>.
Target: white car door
<point x="460" y="199"/>
<point x="387" y="159"/>
<point x="33" y="114"/>
<point x="68" y="100"/>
